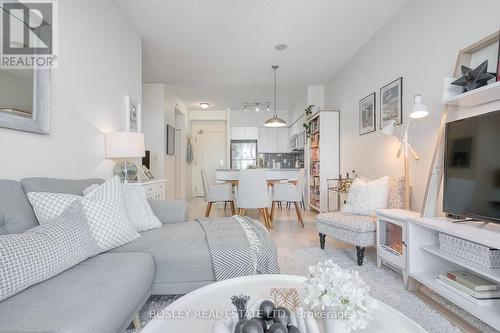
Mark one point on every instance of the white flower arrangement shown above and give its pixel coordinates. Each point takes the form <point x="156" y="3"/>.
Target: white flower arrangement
<point x="333" y="289"/>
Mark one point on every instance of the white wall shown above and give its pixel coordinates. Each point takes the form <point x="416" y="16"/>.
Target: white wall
<point x="158" y="109"/>
<point x="99" y="62"/>
<point x="420" y="43"/>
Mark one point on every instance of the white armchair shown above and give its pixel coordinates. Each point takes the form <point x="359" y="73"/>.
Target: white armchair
<point x="289" y="192"/>
<point x="217" y="193"/>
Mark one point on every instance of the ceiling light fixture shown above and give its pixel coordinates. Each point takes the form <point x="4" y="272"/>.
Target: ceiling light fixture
<point x="268" y="108"/>
<point x="204" y="105"/>
<point x="257" y="107"/>
<point x="246" y="108"/>
<point x="280" y="47"/>
<point x="275" y="121"/>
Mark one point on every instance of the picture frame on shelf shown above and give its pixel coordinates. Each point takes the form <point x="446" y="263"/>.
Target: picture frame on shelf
<point x="367" y="114"/>
<point x="391" y="103"/>
<point x="146" y="173"/>
<point x="133" y="115"/>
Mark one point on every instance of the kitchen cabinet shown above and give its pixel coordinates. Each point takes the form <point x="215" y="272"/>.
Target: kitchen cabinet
<point x="273" y="140"/>
<point x="283" y="144"/>
<point x="244" y="133"/>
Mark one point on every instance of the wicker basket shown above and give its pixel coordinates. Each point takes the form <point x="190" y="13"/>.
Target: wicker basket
<point x="476" y="253"/>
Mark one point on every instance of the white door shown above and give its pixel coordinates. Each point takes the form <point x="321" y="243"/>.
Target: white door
<point x="209" y="151"/>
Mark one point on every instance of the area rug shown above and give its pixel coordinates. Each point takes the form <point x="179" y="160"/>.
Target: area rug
<point x="385" y="285"/>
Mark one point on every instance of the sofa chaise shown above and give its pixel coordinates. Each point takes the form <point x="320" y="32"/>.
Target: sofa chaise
<point x="105" y="292"/>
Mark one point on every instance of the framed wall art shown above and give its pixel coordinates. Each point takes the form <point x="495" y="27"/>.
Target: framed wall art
<point x="391" y="103"/>
<point x="367" y="115"/>
<point x="132" y="115"/>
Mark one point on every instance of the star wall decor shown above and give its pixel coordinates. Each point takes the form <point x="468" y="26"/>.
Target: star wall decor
<point x="474" y="78"/>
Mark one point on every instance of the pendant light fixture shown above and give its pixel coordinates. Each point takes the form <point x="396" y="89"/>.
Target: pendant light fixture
<point x="275" y="121"/>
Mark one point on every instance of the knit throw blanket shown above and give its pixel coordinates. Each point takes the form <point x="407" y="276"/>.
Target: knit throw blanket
<point x="239" y="246"/>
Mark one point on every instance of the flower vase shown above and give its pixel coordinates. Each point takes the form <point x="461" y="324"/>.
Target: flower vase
<point x="332" y="324"/>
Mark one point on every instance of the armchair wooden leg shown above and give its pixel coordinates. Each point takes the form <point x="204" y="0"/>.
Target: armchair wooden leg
<point x="137" y="323"/>
<point x="273" y="205"/>
<point x="299" y="214"/>
<point x="209" y="208"/>
<point x="322" y="238"/>
<point x="233" y="209"/>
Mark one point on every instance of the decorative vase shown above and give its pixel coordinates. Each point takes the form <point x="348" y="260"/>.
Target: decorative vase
<point x="332" y="324"/>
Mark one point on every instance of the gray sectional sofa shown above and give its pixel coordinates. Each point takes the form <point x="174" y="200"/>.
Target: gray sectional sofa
<point x="103" y="293"/>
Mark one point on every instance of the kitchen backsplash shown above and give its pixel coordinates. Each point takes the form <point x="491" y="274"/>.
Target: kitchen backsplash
<point x="281" y="160"/>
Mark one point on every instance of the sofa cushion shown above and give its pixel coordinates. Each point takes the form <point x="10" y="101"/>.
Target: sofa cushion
<point x="347" y="221"/>
<point x="365" y="197"/>
<point x="44" y="251"/>
<point x="16" y="214"/>
<point x="396" y="198"/>
<point x="100" y="294"/>
<point x="180" y="251"/>
<point x="54" y="185"/>
<point x="104" y="208"/>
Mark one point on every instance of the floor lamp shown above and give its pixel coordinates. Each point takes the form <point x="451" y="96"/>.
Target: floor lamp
<point x="418" y="111"/>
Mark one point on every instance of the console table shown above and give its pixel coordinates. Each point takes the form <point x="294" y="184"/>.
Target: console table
<point x="426" y="260"/>
<point x="155" y="189"/>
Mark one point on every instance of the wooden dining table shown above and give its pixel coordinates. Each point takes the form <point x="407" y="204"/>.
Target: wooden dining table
<point x="270" y="182"/>
<point x="268" y="217"/>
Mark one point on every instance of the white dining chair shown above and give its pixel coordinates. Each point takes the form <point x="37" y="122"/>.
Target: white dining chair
<point x="253" y="193"/>
<point x="217" y="193"/>
<point x="289" y="192"/>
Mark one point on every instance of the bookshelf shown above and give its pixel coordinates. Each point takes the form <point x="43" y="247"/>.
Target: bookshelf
<point x="323" y="157"/>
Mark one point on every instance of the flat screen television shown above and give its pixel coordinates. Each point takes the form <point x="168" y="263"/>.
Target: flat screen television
<point x="472" y="167"/>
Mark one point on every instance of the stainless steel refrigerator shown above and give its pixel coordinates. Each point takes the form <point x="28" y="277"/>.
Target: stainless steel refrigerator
<point x="243" y="153"/>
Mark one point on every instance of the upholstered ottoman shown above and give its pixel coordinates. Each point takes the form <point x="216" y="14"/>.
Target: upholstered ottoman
<point x="359" y="230"/>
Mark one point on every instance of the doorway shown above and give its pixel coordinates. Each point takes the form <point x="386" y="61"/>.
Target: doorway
<point x="180" y="155"/>
<point x="209" y="151"/>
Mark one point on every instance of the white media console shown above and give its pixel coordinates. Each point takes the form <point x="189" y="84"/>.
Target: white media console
<point x="426" y="260"/>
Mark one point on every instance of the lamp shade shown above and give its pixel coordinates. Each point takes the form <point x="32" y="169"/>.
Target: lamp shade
<point x="275" y="122"/>
<point x="125" y="144"/>
<point x="419" y="109"/>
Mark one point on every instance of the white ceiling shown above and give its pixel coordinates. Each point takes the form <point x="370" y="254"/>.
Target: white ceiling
<point x="221" y="51"/>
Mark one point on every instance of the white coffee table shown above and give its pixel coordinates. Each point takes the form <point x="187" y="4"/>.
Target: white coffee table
<point x="215" y="298"/>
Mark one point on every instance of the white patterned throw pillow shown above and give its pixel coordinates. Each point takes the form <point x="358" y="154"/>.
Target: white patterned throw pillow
<point x="44" y="251"/>
<point x="104" y="208"/>
<point x="365" y="197"/>
<point x="139" y="212"/>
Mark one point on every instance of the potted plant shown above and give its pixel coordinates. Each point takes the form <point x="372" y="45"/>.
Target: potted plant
<point x="341" y="295"/>
<point x="307" y="125"/>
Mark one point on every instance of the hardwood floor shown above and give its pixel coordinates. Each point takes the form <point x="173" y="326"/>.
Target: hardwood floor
<point x="287" y="232"/>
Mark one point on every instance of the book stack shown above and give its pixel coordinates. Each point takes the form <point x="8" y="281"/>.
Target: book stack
<point x="474" y="288"/>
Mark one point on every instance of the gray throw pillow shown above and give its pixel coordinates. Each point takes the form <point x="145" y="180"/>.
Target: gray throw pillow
<point x="45" y="251"/>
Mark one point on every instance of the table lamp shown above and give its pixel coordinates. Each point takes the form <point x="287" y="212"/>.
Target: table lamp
<point x="125" y="145"/>
<point x="419" y="110"/>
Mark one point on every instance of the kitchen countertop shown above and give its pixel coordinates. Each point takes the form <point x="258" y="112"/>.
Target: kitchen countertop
<point x="282" y="169"/>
